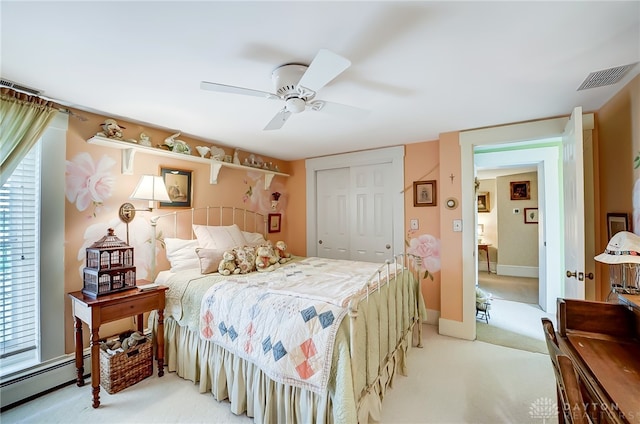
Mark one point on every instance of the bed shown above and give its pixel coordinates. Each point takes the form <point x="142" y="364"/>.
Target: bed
<point x="354" y="323"/>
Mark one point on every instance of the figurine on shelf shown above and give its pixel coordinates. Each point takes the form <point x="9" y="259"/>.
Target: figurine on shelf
<point x="236" y="158"/>
<point x="203" y="150"/>
<point x="177" y="146"/>
<point x="217" y="153"/>
<point x="145" y="140"/>
<point x="111" y="129"/>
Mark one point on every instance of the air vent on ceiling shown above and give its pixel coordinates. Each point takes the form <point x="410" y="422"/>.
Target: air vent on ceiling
<point x="16" y="86"/>
<point x="606" y="77"/>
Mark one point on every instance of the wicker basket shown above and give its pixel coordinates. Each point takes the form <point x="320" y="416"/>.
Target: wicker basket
<point x="124" y="369"/>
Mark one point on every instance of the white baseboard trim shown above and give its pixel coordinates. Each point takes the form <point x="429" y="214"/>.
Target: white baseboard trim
<point x="517" y="271"/>
<point x="432" y="317"/>
<point x="41" y="378"/>
<point x="457" y="329"/>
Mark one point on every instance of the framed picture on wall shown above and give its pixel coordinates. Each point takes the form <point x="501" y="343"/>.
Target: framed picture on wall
<point x="617" y="222"/>
<point x="520" y="190"/>
<point x="530" y="215"/>
<point x="275" y="222"/>
<point x="179" y="186"/>
<point x="483" y="202"/>
<point x="424" y="193"/>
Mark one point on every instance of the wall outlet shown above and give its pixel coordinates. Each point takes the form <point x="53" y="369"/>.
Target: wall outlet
<point x="414" y="224"/>
<point x="457" y="225"/>
<point x="516" y="211"/>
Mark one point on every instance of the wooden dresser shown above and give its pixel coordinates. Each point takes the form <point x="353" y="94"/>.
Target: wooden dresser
<point x="603" y="340"/>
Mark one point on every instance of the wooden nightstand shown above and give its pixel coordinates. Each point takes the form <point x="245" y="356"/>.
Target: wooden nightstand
<point x="112" y="307"/>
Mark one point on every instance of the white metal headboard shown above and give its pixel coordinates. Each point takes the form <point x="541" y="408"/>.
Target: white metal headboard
<point x="247" y="220"/>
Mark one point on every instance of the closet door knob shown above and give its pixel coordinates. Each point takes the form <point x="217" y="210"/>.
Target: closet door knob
<point x="388" y="246"/>
<point x="319" y="241"/>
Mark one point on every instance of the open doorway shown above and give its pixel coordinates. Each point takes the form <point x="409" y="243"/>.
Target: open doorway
<point x="507" y="233"/>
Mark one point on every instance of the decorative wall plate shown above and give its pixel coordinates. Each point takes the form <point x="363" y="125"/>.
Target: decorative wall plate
<point x="451" y="203"/>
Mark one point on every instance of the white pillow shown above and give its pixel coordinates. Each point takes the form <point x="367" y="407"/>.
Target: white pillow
<point x="182" y="254"/>
<point x="209" y="259"/>
<point x="254" y="239"/>
<point x="219" y="237"/>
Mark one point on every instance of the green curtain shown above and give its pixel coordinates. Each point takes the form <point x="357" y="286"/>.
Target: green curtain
<point x="23" y="119"/>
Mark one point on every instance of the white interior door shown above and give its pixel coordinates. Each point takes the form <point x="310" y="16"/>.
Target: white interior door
<point x="573" y="184"/>
<point x="372" y="217"/>
<point x="332" y="212"/>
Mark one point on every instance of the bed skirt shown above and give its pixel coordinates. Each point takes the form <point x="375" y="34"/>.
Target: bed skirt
<point x="251" y="392"/>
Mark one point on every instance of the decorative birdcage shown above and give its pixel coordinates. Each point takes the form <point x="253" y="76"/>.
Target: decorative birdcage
<point x="624" y="279"/>
<point x="109" y="266"/>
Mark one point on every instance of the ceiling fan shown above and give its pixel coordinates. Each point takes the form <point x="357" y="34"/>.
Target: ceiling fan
<point x="296" y="85"/>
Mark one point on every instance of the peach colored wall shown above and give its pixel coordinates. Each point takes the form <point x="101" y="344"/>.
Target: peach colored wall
<point x="451" y="242"/>
<point x="421" y="164"/>
<point x="618" y="128"/>
<point x="239" y="188"/>
<point x="295" y="225"/>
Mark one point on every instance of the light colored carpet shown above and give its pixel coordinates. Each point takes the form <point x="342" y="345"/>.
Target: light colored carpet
<point x="516" y="325"/>
<point x="450" y="381"/>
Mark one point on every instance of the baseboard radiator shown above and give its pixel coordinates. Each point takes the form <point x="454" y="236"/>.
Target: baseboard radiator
<point x="41" y="379"/>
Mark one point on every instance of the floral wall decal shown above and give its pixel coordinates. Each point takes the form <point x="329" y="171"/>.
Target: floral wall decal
<point x="258" y="199"/>
<point x="88" y="182"/>
<point x="426" y="247"/>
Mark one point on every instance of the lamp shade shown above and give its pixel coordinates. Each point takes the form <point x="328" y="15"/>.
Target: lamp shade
<point x="152" y="188"/>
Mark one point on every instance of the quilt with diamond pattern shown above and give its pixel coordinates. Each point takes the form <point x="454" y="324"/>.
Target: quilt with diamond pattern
<point x="285" y="321"/>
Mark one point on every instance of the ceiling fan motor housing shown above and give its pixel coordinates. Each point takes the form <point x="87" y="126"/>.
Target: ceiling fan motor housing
<point x="285" y="80"/>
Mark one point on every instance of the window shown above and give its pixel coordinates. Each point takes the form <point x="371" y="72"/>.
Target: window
<point x="20" y="261"/>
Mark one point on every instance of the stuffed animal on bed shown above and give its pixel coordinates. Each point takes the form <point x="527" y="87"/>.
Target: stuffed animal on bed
<point x="228" y="264"/>
<point x="266" y="258"/>
<point x="281" y="253"/>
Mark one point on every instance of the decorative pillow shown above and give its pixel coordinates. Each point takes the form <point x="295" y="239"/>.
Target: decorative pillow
<point x="181" y="254"/>
<point x="219" y="237"/>
<point x="245" y="258"/>
<point x="209" y="259"/>
<point x="254" y="239"/>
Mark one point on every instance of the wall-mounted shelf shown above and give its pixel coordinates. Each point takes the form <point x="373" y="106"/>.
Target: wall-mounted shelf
<point x="129" y="150"/>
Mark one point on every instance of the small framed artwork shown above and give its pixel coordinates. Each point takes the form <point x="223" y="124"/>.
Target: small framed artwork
<point x="179" y="186"/>
<point x="483" y="202"/>
<point x="275" y="221"/>
<point x="617" y="222"/>
<point x="530" y="215"/>
<point x="520" y="190"/>
<point x="424" y="193"/>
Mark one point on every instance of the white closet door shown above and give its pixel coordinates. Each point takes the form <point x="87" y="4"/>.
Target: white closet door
<point x="372" y="216"/>
<point x="355" y="213"/>
<point x="332" y="204"/>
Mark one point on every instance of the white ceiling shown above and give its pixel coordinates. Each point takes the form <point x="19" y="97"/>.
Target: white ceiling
<point x="422" y="68"/>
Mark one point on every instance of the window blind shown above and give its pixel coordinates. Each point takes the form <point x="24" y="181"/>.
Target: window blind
<point x="19" y="257"/>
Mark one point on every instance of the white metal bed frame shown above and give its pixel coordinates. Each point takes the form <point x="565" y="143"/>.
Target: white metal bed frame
<point x="402" y="263"/>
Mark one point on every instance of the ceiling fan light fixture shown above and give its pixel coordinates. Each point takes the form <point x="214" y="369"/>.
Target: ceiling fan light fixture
<point x="295" y="104"/>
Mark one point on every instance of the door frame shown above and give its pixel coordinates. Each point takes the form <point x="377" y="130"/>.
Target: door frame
<point x="506" y="134"/>
<point x="393" y="155"/>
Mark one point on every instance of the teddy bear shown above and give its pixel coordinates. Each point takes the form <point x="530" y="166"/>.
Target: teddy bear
<point x="281" y="253"/>
<point x="227" y="265"/>
<point x="266" y="259"/>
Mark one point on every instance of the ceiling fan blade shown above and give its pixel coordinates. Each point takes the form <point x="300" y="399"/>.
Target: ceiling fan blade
<point x="324" y="68"/>
<point x="278" y="121"/>
<point x="212" y="86"/>
<point x="339" y="109"/>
